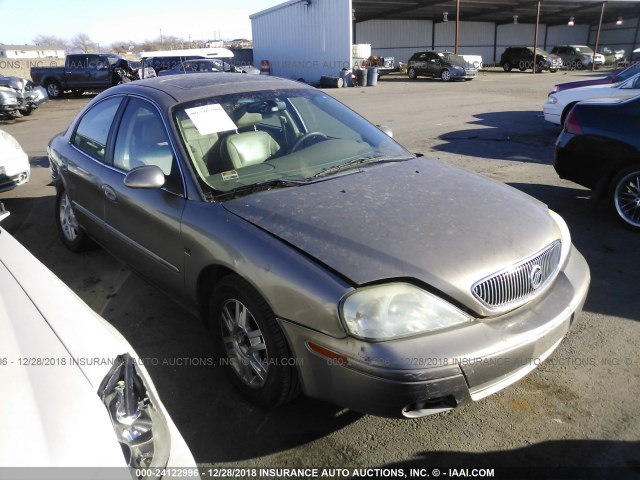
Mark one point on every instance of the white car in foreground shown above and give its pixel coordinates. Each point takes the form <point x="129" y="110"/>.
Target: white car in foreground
<point x="73" y="393"/>
<point x="559" y="104"/>
<point x="14" y="163"/>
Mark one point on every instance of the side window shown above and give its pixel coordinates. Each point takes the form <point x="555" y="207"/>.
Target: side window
<point x="142" y="140"/>
<point x="93" y="129"/>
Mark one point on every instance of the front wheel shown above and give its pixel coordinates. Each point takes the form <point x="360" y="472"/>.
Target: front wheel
<point x="250" y="344"/>
<point x="445" y="75"/>
<point x="73" y="237"/>
<point x="625" y="194"/>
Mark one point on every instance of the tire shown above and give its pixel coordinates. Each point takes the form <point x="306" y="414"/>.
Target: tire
<point x="522" y="67"/>
<point x="54" y="90"/>
<point x="506" y="66"/>
<point x="73" y="237"/>
<point x="26" y="112"/>
<point x="412" y="74"/>
<point x="553" y="70"/>
<point x="445" y="75"/>
<point x="625" y="197"/>
<point x="250" y="344"/>
<point x="579" y="65"/>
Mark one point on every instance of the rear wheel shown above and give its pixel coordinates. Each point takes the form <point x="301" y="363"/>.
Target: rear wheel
<point x="625" y="195"/>
<point x="412" y="74"/>
<point x="250" y="344"/>
<point x="54" y="90"/>
<point x="73" y="237"/>
<point x="507" y="66"/>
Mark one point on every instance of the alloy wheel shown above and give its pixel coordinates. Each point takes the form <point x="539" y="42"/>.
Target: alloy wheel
<point x="626" y="198"/>
<point x="68" y="220"/>
<point x="244" y="343"/>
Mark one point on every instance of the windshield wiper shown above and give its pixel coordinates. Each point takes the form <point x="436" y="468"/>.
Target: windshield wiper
<point x="259" y="186"/>
<point x="358" y="161"/>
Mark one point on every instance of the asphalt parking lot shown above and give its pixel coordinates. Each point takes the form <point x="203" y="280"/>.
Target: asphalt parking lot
<point x="578" y="409"/>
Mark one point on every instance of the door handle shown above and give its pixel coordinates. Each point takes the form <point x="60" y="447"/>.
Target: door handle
<point x="109" y="192"/>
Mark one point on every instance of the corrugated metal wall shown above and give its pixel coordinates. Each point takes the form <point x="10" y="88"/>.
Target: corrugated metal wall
<point x="521" y="34"/>
<point x="304" y="41"/>
<point x="475" y="38"/>
<point x="396" y="38"/>
<point x="310" y="41"/>
<point x="616" y="37"/>
<point x="566" y="35"/>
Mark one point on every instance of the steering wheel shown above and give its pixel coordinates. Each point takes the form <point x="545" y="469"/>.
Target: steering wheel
<point x="301" y="140"/>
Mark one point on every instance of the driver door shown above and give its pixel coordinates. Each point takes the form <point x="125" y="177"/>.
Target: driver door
<point x="144" y="225"/>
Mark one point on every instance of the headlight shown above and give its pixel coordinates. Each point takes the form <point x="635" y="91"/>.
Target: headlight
<point x="396" y="310"/>
<point x="8" y="98"/>
<point x="140" y="427"/>
<point x="7" y="137"/>
<point x="552" y="99"/>
<point x="565" y="236"/>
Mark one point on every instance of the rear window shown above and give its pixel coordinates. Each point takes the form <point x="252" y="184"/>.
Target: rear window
<point x="93" y="129"/>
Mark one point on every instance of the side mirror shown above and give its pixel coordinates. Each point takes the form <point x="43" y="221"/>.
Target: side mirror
<point x="386" y="130"/>
<point x="147" y="176"/>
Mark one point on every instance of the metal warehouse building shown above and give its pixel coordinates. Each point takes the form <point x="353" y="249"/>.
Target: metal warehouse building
<point x="311" y="38"/>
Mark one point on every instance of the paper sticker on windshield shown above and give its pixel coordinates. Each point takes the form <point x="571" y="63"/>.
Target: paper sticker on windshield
<point x="210" y="119"/>
<point x="230" y="175"/>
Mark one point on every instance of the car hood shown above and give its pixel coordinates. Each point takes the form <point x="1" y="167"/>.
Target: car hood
<point x="419" y="219"/>
<point x="585" y="83"/>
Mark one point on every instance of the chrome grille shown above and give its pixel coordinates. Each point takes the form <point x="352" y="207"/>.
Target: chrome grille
<point x="517" y="284"/>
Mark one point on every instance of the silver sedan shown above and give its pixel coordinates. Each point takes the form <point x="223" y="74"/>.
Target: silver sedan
<point x="324" y="257"/>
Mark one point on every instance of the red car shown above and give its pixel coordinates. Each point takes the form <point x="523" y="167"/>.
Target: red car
<point x="613" y="77"/>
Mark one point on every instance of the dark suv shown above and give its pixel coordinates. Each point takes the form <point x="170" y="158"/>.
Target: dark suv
<point x="445" y="65"/>
<point x="522" y="58"/>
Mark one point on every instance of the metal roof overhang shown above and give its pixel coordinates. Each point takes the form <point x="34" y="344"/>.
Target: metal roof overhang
<point x="552" y="12"/>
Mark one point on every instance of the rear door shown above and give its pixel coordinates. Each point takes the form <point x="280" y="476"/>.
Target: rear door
<point x="84" y="167"/>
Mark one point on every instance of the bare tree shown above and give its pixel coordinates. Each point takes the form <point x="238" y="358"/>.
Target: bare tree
<point x="82" y="43"/>
<point x="50" y="41"/>
<point x="125" y="46"/>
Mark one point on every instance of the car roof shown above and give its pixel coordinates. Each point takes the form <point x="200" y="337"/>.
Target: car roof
<point x="173" y="89"/>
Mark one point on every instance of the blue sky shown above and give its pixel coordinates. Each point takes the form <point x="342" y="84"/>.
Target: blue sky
<point x="138" y="20"/>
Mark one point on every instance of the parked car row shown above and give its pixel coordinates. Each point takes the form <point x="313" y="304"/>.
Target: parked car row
<point x="449" y="66"/>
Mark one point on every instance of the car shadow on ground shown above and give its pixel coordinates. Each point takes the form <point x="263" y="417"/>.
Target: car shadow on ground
<point x="518" y="135"/>
<point x="557" y="460"/>
<point x="609" y="248"/>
